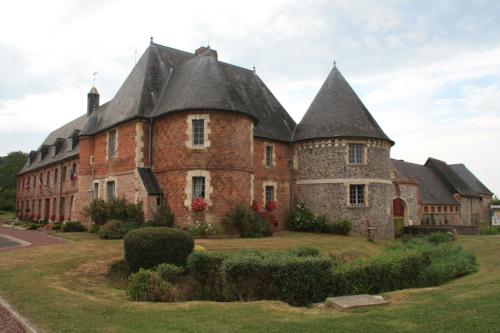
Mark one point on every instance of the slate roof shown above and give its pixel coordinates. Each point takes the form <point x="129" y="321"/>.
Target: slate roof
<point x="458" y="177"/>
<point x="150" y="182"/>
<point x="337" y="111"/>
<point x="62" y="132"/>
<point x="433" y="190"/>
<point x="166" y="80"/>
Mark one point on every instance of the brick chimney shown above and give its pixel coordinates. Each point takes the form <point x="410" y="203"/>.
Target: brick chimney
<point x="206" y="50"/>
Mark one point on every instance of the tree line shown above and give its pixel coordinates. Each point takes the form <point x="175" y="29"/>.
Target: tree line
<point x="10" y="165"/>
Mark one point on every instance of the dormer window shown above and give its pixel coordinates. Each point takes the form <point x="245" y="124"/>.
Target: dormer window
<point x="69" y="142"/>
<point x="44" y="152"/>
<point x="53" y="151"/>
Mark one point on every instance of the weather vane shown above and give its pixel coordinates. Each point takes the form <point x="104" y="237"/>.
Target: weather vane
<point x="93" y="78"/>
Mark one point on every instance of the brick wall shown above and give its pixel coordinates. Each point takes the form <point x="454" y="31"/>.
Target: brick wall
<point x="227" y="160"/>
<point x="58" y="190"/>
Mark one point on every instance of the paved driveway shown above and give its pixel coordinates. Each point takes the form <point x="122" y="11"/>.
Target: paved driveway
<point x="26" y="239"/>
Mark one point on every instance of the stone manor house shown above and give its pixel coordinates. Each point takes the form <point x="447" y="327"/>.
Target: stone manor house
<point x="186" y="125"/>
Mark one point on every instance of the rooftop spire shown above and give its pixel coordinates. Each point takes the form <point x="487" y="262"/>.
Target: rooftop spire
<point x="151" y="40"/>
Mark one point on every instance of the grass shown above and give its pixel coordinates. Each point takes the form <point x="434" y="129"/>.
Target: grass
<point x="63" y="288"/>
<point x="6" y="216"/>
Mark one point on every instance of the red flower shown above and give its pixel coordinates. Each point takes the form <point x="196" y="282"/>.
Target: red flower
<point x="61" y="218"/>
<point x="255" y="206"/>
<point x="53" y="217"/>
<point x="32" y="216"/>
<point x="38" y="217"/>
<point x="271" y="205"/>
<point x="198" y="204"/>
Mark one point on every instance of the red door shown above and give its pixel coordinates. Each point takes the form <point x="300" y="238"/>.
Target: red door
<point x="398" y="207"/>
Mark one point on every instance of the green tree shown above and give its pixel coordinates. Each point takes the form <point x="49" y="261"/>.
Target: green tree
<point x="10" y="165"/>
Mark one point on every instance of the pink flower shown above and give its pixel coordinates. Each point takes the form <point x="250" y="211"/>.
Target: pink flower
<point x="198" y="204"/>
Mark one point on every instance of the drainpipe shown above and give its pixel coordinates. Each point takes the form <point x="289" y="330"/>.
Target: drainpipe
<point x="292" y="183"/>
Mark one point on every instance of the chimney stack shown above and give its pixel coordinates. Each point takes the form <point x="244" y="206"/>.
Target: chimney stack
<point x="92" y="101"/>
<point x="206" y="50"/>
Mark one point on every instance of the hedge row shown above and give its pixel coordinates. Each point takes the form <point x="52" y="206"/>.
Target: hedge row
<point x="252" y="275"/>
<point x="302" y="276"/>
<point x="417" y="264"/>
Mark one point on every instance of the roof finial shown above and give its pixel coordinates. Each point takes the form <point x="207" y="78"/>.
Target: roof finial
<point x="151" y="40"/>
<point x="254" y="70"/>
<point x="334" y="63"/>
<point x="208" y="41"/>
<point x="93" y="78"/>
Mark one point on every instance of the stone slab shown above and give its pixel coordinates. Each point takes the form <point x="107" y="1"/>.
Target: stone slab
<point x="355" y="301"/>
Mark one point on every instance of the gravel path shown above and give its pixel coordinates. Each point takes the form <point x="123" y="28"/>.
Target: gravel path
<point x="9" y="324"/>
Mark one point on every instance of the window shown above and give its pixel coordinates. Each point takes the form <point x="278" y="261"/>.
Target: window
<point x="70" y="144"/>
<point x="110" y="186"/>
<point x="445" y="209"/>
<point x="198" y="187"/>
<point x="456" y="209"/>
<point x="356" y="152"/>
<point x="47" y="181"/>
<point x="56" y="171"/>
<point x="269" y="193"/>
<point x="433" y="209"/>
<point x="111" y="144"/>
<point x="426" y="209"/>
<point x="95" y="191"/>
<point x="64" y="174"/>
<point x="357" y="195"/>
<point x="269" y="156"/>
<point x="198" y="132"/>
<point x="439" y="209"/>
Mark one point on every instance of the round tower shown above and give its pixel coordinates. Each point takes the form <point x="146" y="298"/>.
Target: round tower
<point x="342" y="160"/>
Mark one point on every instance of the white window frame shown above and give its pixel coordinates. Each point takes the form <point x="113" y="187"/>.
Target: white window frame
<point x="206" y="131"/>
<point x="363" y="150"/>
<point x="188" y="190"/>
<point x="108" y="152"/>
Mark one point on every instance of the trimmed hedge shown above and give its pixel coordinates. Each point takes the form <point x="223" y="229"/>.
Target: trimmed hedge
<point x="418" y="264"/>
<point x="206" y="270"/>
<point x="251" y="275"/>
<point x="113" y="229"/>
<point x="169" y="272"/>
<point x="149" y="247"/>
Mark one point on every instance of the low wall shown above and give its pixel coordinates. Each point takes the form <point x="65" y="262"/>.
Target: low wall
<point x="425" y="230"/>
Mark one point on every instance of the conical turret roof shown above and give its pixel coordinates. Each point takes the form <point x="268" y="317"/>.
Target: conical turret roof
<point x="337" y="111"/>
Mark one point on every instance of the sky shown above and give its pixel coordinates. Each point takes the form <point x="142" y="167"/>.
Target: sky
<point x="428" y="71"/>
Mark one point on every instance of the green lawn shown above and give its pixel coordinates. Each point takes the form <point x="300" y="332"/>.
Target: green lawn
<point x="62" y="288"/>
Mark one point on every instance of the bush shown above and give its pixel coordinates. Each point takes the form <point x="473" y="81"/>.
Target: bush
<point x="148" y="286"/>
<point x="201" y="229"/>
<point x="339" y="227"/>
<point x="161" y="218"/>
<point x="301" y="219"/>
<point x="491" y="230"/>
<point x="206" y="269"/>
<point x="33" y="226"/>
<point x="113" y="229"/>
<point x="169" y="272"/>
<point x="57" y="226"/>
<point x="97" y="211"/>
<point x="399" y="227"/>
<point x="247" y="223"/>
<point x="297" y="280"/>
<point x="73" y="226"/>
<point x="417" y="264"/>
<point x="439" y="237"/>
<point x="149" y="247"/>
<point x="101" y="211"/>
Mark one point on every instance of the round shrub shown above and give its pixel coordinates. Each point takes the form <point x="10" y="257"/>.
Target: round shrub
<point x="148" y="286"/>
<point x="113" y="229"/>
<point x="151" y="246"/>
<point x="73" y="226"/>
